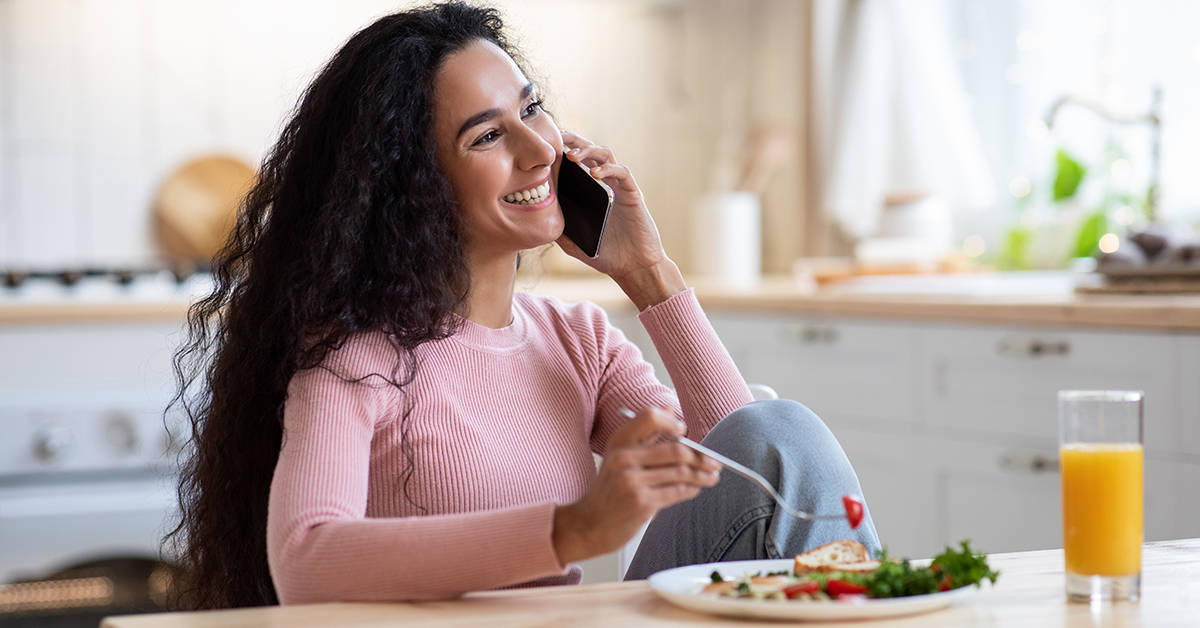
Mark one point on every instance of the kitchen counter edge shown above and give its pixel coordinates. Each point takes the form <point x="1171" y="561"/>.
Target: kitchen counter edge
<point x="778" y="296"/>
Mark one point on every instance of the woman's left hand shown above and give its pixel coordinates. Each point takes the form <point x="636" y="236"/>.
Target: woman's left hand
<point x="631" y="243"/>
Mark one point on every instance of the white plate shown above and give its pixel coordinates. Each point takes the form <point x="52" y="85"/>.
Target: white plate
<point x="682" y="586"/>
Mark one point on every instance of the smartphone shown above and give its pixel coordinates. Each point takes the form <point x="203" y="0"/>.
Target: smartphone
<point x="585" y="204"/>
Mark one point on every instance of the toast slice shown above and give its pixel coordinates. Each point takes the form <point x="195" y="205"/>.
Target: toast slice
<point x="833" y="557"/>
<point x="866" y="566"/>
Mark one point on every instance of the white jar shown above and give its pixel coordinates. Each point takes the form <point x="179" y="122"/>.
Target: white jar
<point x="727" y="238"/>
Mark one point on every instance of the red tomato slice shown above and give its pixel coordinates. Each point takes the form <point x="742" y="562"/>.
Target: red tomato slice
<point x="854" y="510"/>
<point x="837" y="587"/>
<point x="801" y="588"/>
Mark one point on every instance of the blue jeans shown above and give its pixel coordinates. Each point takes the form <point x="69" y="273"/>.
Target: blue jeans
<point x="736" y="519"/>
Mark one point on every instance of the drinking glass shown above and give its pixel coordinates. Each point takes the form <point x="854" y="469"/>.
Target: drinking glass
<point x="1100" y="454"/>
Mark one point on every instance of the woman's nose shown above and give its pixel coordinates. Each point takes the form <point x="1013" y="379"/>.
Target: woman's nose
<point x="534" y="151"/>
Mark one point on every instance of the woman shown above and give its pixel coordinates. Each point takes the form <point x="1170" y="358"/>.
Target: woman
<point x="385" y="419"/>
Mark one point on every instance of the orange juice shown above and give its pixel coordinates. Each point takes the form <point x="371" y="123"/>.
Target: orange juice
<point x="1102" y="508"/>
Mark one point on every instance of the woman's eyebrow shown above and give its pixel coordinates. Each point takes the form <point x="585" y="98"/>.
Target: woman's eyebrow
<point x="484" y="116"/>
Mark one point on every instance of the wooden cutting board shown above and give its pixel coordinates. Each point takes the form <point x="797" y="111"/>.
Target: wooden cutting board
<point x="196" y="207"/>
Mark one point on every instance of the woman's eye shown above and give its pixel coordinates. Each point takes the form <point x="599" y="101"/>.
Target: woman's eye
<point x="487" y="138"/>
<point x="533" y="107"/>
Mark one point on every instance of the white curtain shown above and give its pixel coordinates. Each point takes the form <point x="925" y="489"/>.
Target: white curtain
<point x="890" y="111"/>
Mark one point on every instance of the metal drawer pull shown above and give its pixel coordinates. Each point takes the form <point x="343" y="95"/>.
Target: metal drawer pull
<point x="1032" y="348"/>
<point x="811" y="334"/>
<point x="1029" y="463"/>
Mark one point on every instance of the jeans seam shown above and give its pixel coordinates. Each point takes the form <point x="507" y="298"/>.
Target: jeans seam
<point x="737" y="529"/>
<point x="772" y="549"/>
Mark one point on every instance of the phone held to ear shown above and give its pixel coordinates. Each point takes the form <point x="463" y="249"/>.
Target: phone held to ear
<point x="585" y="204"/>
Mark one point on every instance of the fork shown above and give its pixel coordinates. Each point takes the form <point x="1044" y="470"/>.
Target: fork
<point x="749" y="474"/>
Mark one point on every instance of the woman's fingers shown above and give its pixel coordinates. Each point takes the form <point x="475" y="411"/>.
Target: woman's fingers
<point x="569" y="247"/>
<point x="615" y="176"/>
<point x="671" y="453"/>
<point x="584" y="151"/>
<point x="644" y="427"/>
<point x="662" y="477"/>
<point x="676" y="493"/>
<point x="592" y="155"/>
<point x="670" y="494"/>
<point x="575" y="140"/>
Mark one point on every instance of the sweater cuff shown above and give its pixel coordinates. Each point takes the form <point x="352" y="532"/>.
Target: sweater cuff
<point x="525" y="535"/>
<point x="680" y="313"/>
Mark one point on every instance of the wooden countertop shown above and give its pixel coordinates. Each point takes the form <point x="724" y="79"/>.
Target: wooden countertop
<point x="1059" y="307"/>
<point x="1029" y="592"/>
<point x="975" y="301"/>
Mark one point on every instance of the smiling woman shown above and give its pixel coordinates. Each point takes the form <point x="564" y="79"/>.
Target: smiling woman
<point x="383" y="418"/>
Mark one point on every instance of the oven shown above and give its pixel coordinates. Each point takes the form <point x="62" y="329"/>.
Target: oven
<point x="87" y="460"/>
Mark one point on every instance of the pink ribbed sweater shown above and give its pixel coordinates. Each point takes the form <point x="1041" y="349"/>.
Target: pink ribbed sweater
<point x="501" y="423"/>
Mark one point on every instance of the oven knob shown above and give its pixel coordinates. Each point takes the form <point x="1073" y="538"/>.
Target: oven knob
<point x="121" y="432"/>
<point x="49" y="442"/>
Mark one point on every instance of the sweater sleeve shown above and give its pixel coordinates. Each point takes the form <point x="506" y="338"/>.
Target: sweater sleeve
<point x="320" y="545"/>
<point x="707" y="383"/>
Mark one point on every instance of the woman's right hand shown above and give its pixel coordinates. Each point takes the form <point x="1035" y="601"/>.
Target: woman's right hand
<point x="641" y="475"/>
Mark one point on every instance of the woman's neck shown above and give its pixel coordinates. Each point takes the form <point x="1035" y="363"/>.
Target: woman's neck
<point x="489" y="301"/>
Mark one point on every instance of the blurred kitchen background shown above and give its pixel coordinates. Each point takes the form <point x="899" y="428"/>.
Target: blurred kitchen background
<point x="800" y="157"/>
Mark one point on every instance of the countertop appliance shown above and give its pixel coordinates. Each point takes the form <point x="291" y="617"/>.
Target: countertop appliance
<point x="87" y="460"/>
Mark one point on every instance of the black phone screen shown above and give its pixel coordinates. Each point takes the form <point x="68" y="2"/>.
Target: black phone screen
<point x="585" y="204"/>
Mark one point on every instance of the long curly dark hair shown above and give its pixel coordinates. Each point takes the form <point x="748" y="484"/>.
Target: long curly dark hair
<point x="350" y="227"/>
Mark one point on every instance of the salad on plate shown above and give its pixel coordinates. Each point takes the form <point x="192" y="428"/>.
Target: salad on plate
<point x="843" y="571"/>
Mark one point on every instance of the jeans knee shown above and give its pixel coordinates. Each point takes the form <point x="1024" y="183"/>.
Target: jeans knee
<point x="774" y="421"/>
<point x="772" y="415"/>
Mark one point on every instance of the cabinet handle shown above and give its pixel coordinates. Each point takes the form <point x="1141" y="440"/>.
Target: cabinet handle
<point x="1029" y="463"/>
<point x="1032" y="347"/>
<point x="939" y="378"/>
<point x="811" y="334"/>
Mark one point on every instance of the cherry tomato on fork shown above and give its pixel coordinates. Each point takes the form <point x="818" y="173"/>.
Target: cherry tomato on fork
<point x="854" y="510"/>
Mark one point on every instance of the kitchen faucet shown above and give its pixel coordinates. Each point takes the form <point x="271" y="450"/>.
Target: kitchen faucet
<point x="1153" y="118"/>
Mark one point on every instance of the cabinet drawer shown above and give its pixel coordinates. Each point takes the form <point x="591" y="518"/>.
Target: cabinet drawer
<point x="1006" y="381"/>
<point x="839" y="369"/>
<point x="1187" y="379"/>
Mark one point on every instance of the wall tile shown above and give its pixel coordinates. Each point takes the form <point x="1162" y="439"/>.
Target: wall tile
<point x="7" y="210"/>
<point x="43" y="128"/>
<point x="44" y="77"/>
<point x="115" y="181"/>
<point x="184" y="70"/>
<point x="47" y="199"/>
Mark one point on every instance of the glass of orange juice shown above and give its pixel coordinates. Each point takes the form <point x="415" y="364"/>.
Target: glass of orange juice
<point x="1100" y="455"/>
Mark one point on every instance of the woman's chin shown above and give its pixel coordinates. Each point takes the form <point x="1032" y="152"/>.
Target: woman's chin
<point x="550" y="230"/>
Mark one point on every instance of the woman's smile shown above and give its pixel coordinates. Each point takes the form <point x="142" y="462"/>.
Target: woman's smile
<point x="532" y="198"/>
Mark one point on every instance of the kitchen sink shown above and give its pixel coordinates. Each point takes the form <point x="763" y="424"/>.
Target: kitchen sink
<point x="1024" y="283"/>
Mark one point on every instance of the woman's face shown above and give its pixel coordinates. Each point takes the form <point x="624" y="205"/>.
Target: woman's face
<point x="497" y="146"/>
